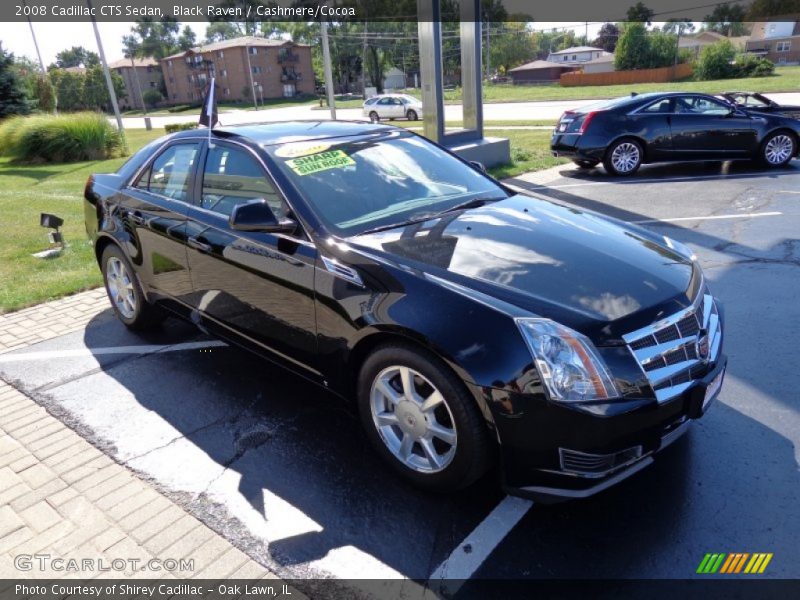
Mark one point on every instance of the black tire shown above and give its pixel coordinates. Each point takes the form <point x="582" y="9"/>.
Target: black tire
<point x="143" y="315"/>
<point x="473" y="452"/>
<point x="615" y="154"/>
<point x="374" y="117"/>
<point x="778" y="149"/>
<point x="586" y="164"/>
<point x="412" y="115"/>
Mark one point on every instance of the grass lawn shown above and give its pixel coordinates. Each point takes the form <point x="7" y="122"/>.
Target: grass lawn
<point x="786" y="79"/>
<point x="28" y="190"/>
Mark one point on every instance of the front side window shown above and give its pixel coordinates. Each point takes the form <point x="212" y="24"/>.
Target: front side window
<point x="357" y="184"/>
<point x="700" y="106"/>
<point x="169" y="173"/>
<point x="233" y="176"/>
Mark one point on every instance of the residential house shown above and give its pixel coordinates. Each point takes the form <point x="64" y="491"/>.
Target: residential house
<point x="695" y="42"/>
<point x="778" y="41"/>
<point x="540" y="71"/>
<point x="601" y="64"/>
<point x="576" y="55"/>
<point x="138" y="74"/>
<point x="272" y="68"/>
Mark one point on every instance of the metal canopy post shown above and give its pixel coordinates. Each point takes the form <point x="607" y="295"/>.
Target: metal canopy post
<point x="429" y="28"/>
<point x="471" y="70"/>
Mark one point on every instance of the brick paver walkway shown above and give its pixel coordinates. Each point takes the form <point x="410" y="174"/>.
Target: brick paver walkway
<point x="61" y="496"/>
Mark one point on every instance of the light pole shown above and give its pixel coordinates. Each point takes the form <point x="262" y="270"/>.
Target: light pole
<point x="109" y="82"/>
<point x="250" y="73"/>
<point x="326" y="59"/>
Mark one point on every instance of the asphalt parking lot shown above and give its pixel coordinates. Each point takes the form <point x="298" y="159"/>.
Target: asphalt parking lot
<point x="282" y="470"/>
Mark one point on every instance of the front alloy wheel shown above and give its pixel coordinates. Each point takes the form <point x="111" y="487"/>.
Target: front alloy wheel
<point x="421" y="419"/>
<point x="779" y="148"/>
<point x="413" y="419"/>
<point x="623" y="158"/>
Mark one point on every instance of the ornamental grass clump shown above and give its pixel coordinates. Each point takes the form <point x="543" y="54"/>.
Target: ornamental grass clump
<point x="60" y="138"/>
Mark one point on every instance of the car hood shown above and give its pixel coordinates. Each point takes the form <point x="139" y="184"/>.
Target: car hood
<point x="579" y="268"/>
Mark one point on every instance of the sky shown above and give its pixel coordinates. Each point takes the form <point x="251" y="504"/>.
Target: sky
<point x="55" y="37"/>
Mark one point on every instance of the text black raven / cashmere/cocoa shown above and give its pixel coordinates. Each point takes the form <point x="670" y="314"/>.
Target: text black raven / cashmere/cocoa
<point x="471" y="325"/>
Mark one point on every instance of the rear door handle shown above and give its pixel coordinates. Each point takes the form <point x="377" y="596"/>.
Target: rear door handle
<point x="195" y="243"/>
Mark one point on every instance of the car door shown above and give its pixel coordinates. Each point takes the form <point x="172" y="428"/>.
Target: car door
<point x="384" y="108"/>
<point x="154" y="212"/>
<point x="254" y="287"/>
<point x="652" y="123"/>
<point x="704" y="127"/>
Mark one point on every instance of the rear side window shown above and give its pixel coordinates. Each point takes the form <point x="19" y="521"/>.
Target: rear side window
<point x="232" y="176"/>
<point x="169" y="173"/>
<point x="660" y="107"/>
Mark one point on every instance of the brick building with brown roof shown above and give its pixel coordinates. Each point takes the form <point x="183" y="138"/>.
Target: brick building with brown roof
<point x="144" y="74"/>
<point x="273" y="68"/>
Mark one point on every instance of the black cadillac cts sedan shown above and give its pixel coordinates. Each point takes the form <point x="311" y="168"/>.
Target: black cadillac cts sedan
<point x="473" y="326"/>
<point x="626" y="132"/>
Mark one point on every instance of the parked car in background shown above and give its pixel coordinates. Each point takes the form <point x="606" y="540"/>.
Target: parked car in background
<point x="471" y="325"/>
<point x="760" y="103"/>
<point x="393" y="106"/>
<point x="659" y="127"/>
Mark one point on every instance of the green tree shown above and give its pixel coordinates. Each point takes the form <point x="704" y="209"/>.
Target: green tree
<point x="77" y="56"/>
<point x="727" y="19"/>
<point x="633" y="48"/>
<point x="221" y="30"/>
<point x="512" y="44"/>
<point x="187" y="39"/>
<point x="607" y="37"/>
<point x="716" y="61"/>
<point x="662" y="49"/>
<point x="153" y="38"/>
<point x="639" y="13"/>
<point x="13" y="97"/>
<point x="678" y="26"/>
<point x="152" y="98"/>
<point x="95" y="90"/>
<point x="69" y="89"/>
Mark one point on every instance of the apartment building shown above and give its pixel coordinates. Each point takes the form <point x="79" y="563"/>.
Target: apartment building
<point x="779" y="41"/>
<point x="144" y="74"/>
<point x="273" y="68"/>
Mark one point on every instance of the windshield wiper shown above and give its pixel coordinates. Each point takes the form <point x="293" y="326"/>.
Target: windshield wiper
<point x="412" y="221"/>
<point x="474" y="203"/>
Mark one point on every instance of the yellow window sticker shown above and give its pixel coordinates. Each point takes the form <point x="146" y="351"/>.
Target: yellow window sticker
<point x="300" y="149"/>
<point x="333" y="159"/>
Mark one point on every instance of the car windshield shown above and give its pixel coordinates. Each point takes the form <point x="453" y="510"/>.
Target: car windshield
<point x="358" y="184"/>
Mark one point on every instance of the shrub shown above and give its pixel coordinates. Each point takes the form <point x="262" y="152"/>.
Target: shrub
<point x="748" y="65"/>
<point x="178" y="108"/>
<point x="716" y="61"/>
<point x="152" y="97"/>
<point x="59" y="139"/>
<point x="175" y="127"/>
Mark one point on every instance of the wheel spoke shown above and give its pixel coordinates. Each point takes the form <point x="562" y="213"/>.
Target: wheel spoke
<point x="432" y="401"/>
<point x="448" y="436"/>
<point x="408" y="383"/>
<point x="434" y="459"/>
<point x="386" y="418"/>
<point x="387" y="391"/>
<point x="405" y="446"/>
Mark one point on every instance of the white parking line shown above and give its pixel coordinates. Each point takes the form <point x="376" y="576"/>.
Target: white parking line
<point x="478" y="545"/>
<point x="679" y="179"/>
<point x="711" y="217"/>
<point x="81" y="352"/>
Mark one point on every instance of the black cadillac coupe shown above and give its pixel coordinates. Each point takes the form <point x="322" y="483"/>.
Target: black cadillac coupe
<point x="472" y="326"/>
<point x="626" y="132"/>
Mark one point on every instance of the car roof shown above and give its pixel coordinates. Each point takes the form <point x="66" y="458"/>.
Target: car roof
<point x="266" y="134"/>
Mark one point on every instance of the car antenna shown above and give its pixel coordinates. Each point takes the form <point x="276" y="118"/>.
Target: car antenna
<point x="634" y="94"/>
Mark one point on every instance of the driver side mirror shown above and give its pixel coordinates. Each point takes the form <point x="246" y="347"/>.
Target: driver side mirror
<point x="256" y="215"/>
<point x="478" y="165"/>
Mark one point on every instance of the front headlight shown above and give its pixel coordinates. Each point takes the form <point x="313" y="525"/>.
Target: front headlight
<point x="568" y="362"/>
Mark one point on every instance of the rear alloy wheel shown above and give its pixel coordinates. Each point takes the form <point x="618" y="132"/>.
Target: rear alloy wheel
<point x="127" y="299"/>
<point x="778" y="149"/>
<point x="586" y="164"/>
<point x="373" y="116"/>
<point x="412" y="115"/>
<point x="421" y="419"/>
<point x="623" y="157"/>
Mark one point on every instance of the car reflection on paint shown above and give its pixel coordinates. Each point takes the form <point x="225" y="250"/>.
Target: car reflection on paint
<point x="472" y="326"/>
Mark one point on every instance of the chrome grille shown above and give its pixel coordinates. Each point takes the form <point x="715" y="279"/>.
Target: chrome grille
<point x="670" y="351"/>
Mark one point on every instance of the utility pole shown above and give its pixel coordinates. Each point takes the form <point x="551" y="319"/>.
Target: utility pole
<point x="250" y="72"/>
<point x="109" y="82"/>
<point x="138" y="85"/>
<point x="35" y="43"/>
<point x="488" y="49"/>
<point x="364" y="64"/>
<point x="326" y="59"/>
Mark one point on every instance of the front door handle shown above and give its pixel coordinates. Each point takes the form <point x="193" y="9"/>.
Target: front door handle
<point x="136" y="218"/>
<point x="195" y="243"/>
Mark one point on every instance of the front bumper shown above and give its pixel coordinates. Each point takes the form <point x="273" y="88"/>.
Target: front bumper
<point x="541" y="442"/>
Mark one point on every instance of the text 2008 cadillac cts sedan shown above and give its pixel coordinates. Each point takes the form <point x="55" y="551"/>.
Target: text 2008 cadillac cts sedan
<point x="472" y="326"/>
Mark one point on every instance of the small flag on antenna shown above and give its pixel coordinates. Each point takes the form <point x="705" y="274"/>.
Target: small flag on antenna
<point x="209" y="115"/>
